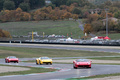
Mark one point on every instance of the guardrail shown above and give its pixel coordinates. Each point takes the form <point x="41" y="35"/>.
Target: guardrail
<point x="90" y="44"/>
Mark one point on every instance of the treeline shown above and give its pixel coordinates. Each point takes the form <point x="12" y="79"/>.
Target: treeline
<point x="97" y="22"/>
<point x="25" y="5"/>
<point x="81" y="3"/>
<point x="65" y="9"/>
<point x="4" y="33"/>
<point x="45" y="13"/>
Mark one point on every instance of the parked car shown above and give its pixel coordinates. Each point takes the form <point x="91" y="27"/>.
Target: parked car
<point x="42" y="60"/>
<point x="81" y="63"/>
<point x="11" y="59"/>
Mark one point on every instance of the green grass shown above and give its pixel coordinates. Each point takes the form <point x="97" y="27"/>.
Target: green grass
<point x="37" y="52"/>
<point x="106" y="58"/>
<point x="32" y="70"/>
<point x="47" y="26"/>
<point x="111" y="35"/>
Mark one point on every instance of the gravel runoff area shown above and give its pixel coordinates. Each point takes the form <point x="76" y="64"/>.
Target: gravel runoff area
<point x="4" y="69"/>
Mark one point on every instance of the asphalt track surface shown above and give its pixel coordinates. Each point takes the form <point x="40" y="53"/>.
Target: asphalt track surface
<point x="66" y="47"/>
<point x="64" y="70"/>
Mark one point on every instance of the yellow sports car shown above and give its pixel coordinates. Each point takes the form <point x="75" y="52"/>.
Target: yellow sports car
<point x="42" y="60"/>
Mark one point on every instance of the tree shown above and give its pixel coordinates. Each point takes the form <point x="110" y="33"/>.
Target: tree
<point x="54" y="18"/>
<point x="113" y="9"/>
<point x="59" y="2"/>
<point x="103" y="14"/>
<point x="93" y="17"/>
<point x="69" y="2"/>
<point x="81" y="3"/>
<point x="18" y="14"/>
<point x="36" y="3"/>
<point x="76" y="11"/>
<point x="86" y="14"/>
<point x="18" y="10"/>
<point x="110" y="14"/>
<point x="67" y="15"/>
<point x="108" y="3"/>
<point x="117" y="27"/>
<point x="39" y="16"/>
<point x="116" y="4"/>
<point x="4" y="33"/>
<point x="24" y="6"/>
<point x="111" y="25"/>
<point x="87" y="28"/>
<point x="25" y="16"/>
<point x="9" y="5"/>
<point x="97" y="26"/>
<point x="17" y="2"/>
<point x="117" y="14"/>
<point x="5" y="16"/>
<point x="1" y="4"/>
<point x="75" y="16"/>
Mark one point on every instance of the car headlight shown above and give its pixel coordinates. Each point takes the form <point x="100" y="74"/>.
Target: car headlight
<point x="89" y="63"/>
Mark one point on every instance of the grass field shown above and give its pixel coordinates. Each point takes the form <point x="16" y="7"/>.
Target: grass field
<point x="37" y="52"/>
<point x="96" y="76"/>
<point x="112" y="35"/>
<point x="32" y="70"/>
<point x="49" y="27"/>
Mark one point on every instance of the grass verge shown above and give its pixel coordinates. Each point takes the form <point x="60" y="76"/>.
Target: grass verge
<point x="32" y="70"/>
<point x="96" y="76"/>
<point x="106" y="58"/>
<point x="37" y="52"/>
<point x="49" y="27"/>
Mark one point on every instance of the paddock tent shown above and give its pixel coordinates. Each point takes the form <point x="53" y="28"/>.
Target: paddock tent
<point x="107" y="38"/>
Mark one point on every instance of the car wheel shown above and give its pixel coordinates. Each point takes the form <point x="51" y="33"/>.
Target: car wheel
<point x="88" y="67"/>
<point x="36" y="62"/>
<point x="74" y="66"/>
<point x="40" y="63"/>
<point x="50" y="63"/>
<point x="7" y="61"/>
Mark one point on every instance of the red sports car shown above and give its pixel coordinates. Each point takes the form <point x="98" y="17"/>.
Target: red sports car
<point x="11" y="59"/>
<point x="81" y="63"/>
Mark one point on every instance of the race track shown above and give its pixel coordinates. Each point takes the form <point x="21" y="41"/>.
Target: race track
<point x="68" y="47"/>
<point x="65" y="70"/>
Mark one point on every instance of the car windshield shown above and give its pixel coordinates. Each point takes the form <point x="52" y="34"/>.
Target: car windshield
<point x="12" y="57"/>
<point x="82" y="60"/>
<point x="45" y="58"/>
